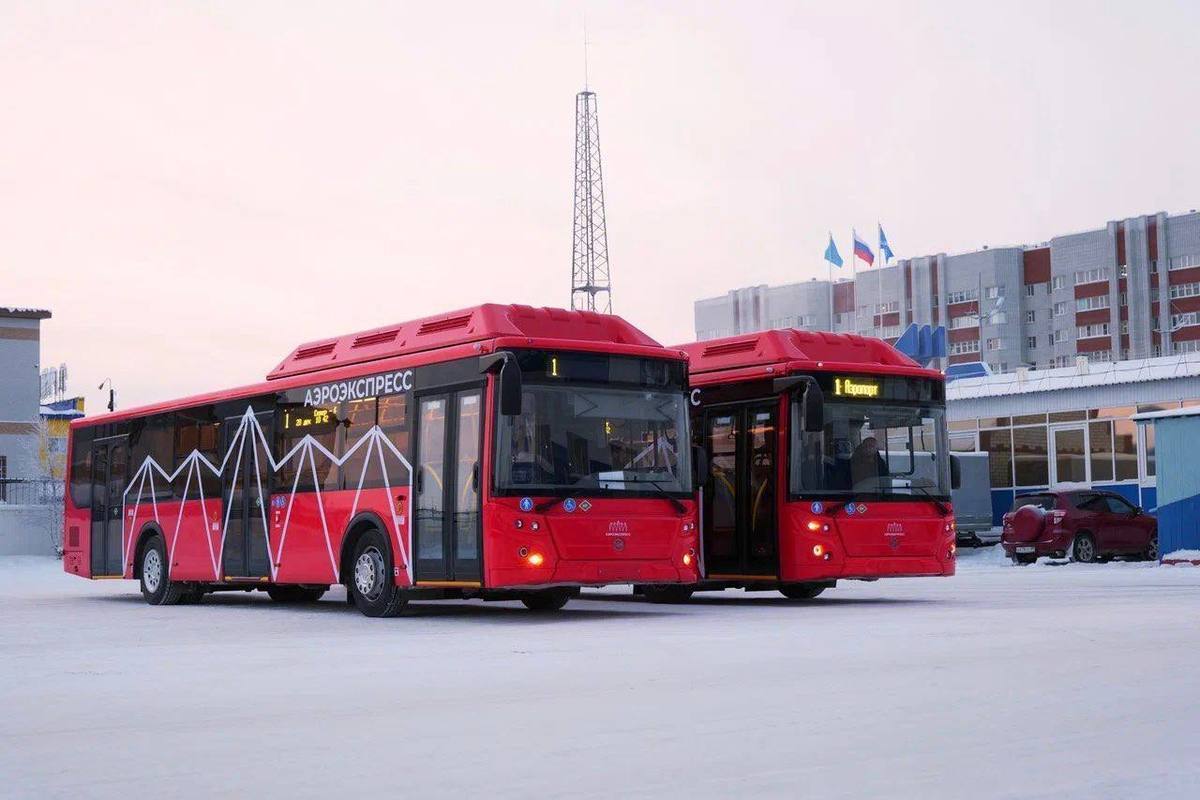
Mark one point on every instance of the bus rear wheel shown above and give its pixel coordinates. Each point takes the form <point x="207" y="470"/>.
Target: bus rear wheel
<point x="801" y="591"/>
<point x="296" y="594"/>
<point x="665" y="593"/>
<point x="153" y="574"/>
<point x="547" y="599"/>
<point x="370" y="581"/>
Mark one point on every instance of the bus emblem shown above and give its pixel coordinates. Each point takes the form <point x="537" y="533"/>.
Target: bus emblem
<point x="618" y="527"/>
<point x="569" y="505"/>
<point x="618" y="544"/>
<point x="817" y="507"/>
<point x="893" y="533"/>
<point x="527" y="504"/>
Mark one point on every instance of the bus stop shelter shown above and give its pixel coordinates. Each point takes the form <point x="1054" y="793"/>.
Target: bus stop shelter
<point x="1177" y="437"/>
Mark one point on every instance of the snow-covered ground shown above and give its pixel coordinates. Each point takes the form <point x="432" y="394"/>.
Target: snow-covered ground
<point x="1042" y="681"/>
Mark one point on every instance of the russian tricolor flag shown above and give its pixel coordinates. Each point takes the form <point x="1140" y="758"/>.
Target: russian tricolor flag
<point x="862" y="250"/>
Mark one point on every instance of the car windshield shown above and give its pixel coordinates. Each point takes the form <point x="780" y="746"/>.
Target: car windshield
<point x="581" y="438"/>
<point x="880" y="449"/>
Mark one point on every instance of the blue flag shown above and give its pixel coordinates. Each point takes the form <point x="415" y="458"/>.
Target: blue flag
<point x="884" y="249"/>
<point x="831" y="253"/>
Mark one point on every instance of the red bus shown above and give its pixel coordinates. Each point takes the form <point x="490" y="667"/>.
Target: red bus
<point x="829" y="460"/>
<point x="499" y="452"/>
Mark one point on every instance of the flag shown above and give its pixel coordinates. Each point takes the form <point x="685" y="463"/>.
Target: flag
<point x="831" y="253"/>
<point x="885" y="252"/>
<point x="861" y="250"/>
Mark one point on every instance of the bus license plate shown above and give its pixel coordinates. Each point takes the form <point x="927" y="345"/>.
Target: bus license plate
<point x="1025" y="549"/>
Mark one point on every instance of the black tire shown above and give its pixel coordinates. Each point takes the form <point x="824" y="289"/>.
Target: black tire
<point x="1151" y="553"/>
<point x="801" y="591"/>
<point x="152" y="567"/>
<point x="296" y="594"/>
<point x="370" y="580"/>
<point x="545" y="600"/>
<point x="667" y="593"/>
<point x="1083" y="549"/>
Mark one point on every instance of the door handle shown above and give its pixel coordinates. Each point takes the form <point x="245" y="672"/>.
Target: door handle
<point x="420" y="480"/>
<point x="475" y="476"/>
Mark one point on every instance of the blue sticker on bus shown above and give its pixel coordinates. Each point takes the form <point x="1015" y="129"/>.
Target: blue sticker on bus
<point x="817" y="507"/>
<point x="849" y="508"/>
<point x="527" y="504"/>
<point x="569" y="504"/>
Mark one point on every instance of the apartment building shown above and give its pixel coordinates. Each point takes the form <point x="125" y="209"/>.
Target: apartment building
<point x="1129" y="290"/>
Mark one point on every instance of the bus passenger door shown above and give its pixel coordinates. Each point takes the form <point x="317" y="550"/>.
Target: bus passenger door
<point x="110" y="468"/>
<point x="449" y="439"/>
<point x="246" y="482"/>
<point x="740" y="530"/>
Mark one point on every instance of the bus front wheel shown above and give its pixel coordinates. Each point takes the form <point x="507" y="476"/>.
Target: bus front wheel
<point x="153" y="574"/>
<point x="801" y="591"/>
<point x="547" y="599"/>
<point x="370" y="582"/>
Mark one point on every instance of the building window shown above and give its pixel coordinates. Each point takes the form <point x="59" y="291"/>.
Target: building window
<point x="964" y="296"/>
<point x="889" y="332"/>
<point x="994" y="344"/>
<point x="1185" y="320"/>
<point x="1060" y="336"/>
<point x="959" y="348"/>
<point x="1184" y="290"/>
<point x="1124" y="326"/>
<point x="1123" y="271"/>
<point x="993" y="292"/>
<point x="1180" y="262"/>
<point x="1092" y="331"/>
<point x="1060" y="309"/>
<point x="1031" y="342"/>
<point x="996" y="318"/>
<point x="1153" y="266"/>
<point x="1063" y="361"/>
<point x="998" y="445"/>
<point x="967" y="321"/>
<point x="1093" y="303"/>
<point x="887" y="308"/>
<point x="1190" y="346"/>
<point x="1058" y="282"/>
<point x="1091" y="275"/>
<point x="1030" y="456"/>
<point x="1100" y="445"/>
<point x="1125" y="449"/>
<point x="1031" y="316"/>
<point x="1123" y="299"/>
<point x="1029" y="289"/>
<point x="1100" y="357"/>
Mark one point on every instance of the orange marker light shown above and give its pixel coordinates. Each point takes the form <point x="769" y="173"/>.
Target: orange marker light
<point x="687" y="559"/>
<point x="535" y="559"/>
<point x="818" y="550"/>
<point x="813" y="525"/>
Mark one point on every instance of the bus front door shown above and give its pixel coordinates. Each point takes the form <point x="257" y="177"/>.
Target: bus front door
<point x="246" y="483"/>
<point x="739" y="503"/>
<point x="110" y="469"/>
<point x="449" y="440"/>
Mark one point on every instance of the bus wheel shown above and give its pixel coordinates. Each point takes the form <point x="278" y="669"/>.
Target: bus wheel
<point x="157" y="588"/>
<point x="296" y="594"/>
<point x="801" y="591"/>
<point x="666" y="593"/>
<point x="370" y="581"/>
<point x="547" y="599"/>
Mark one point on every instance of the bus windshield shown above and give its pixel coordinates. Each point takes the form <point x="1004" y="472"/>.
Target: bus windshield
<point x="598" y="440"/>
<point x="873" y="450"/>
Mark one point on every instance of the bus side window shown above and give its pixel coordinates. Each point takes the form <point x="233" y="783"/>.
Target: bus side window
<point x="196" y="429"/>
<point x="81" y="467"/>
<point x="153" y="438"/>
<point x="359" y="416"/>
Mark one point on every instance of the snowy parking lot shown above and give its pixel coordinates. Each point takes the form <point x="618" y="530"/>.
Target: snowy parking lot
<point x="1042" y="681"/>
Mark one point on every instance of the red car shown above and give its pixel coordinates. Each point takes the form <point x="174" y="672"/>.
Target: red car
<point x="1084" y="524"/>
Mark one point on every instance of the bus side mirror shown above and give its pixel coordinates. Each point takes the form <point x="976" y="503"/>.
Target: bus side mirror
<point x="509" y="379"/>
<point x="955" y="472"/>
<point x="814" y="408"/>
<point x="700" y="469"/>
<point x="812" y="404"/>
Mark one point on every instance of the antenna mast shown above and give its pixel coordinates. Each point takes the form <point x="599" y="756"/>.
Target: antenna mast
<point x="589" y="260"/>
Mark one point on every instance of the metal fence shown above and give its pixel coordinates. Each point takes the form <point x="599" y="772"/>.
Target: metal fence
<point x="41" y="500"/>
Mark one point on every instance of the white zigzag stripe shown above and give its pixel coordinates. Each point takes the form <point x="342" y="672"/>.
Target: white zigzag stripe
<point x="374" y="439"/>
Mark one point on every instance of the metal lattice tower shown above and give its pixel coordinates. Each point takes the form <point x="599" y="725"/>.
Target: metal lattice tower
<point x="589" y="261"/>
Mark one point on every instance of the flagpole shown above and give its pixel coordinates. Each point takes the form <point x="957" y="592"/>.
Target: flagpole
<point x="879" y="287"/>
<point x="854" y="266"/>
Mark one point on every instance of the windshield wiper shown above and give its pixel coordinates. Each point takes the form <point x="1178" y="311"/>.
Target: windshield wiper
<point x="942" y="508"/>
<point x="678" y="506"/>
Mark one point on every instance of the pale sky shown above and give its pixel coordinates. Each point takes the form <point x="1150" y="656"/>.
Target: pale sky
<point x="195" y="188"/>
